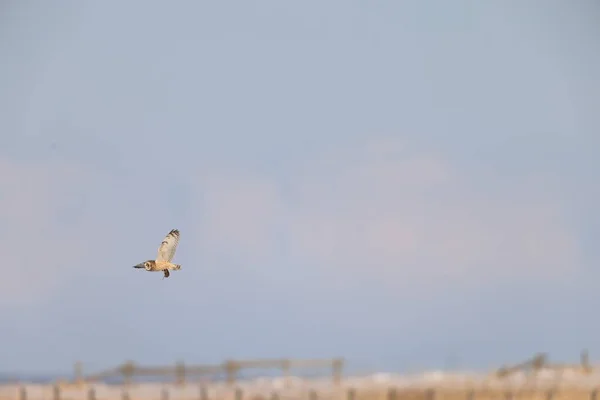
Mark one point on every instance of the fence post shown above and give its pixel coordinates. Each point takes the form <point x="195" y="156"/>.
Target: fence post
<point x="508" y="395"/>
<point x="164" y="394"/>
<point x="285" y="368"/>
<point x="22" y="393"/>
<point x="274" y="396"/>
<point x="127" y="371"/>
<point x="594" y="394"/>
<point x="56" y="393"/>
<point x="337" y="367"/>
<point x="312" y="395"/>
<point x="180" y="373"/>
<point x="92" y="394"/>
<point x="351" y="394"/>
<point x="78" y="370"/>
<point x="239" y="394"/>
<point x="550" y="394"/>
<point x="430" y="394"/>
<point x="471" y="395"/>
<point x="125" y="395"/>
<point x="392" y="394"/>
<point x="203" y="393"/>
<point x="231" y="369"/>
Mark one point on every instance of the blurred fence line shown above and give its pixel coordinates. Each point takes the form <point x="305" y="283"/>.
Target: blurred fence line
<point x="230" y="369"/>
<point x="535" y="378"/>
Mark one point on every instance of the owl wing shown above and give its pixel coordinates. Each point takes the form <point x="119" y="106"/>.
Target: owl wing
<point x="167" y="248"/>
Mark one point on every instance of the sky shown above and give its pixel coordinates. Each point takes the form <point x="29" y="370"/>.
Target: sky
<point x="400" y="183"/>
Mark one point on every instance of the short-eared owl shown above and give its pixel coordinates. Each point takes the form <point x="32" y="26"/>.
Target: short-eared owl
<point x="166" y="251"/>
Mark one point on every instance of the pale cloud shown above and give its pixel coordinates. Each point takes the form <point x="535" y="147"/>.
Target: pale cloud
<point x="40" y="211"/>
<point x="240" y="215"/>
<point x="383" y="212"/>
<point x="378" y="212"/>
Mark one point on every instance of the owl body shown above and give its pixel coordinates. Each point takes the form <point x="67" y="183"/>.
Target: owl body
<point x="153" y="265"/>
<point x="164" y="265"/>
<point x="166" y="251"/>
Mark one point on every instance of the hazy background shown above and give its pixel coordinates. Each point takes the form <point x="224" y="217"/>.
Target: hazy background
<point x="401" y="183"/>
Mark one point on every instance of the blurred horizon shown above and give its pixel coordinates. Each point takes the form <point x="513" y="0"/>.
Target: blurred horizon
<point x="407" y="184"/>
<point x="450" y="365"/>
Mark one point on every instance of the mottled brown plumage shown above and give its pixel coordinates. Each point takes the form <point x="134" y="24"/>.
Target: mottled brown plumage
<point x="166" y="251"/>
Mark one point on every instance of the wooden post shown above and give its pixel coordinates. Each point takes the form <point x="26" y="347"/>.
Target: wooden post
<point x="203" y="393"/>
<point x="125" y="395"/>
<point x="351" y="394"/>
<point x="274" y="396"/>
<point x="312" y="395"/>
<point x="392" y="394"/>
<point x="127" y="371"/>
<point x="430" y="394"/>
<point x="471" y="395"/>
<point x="337" y="366"/>
<point x="92" y="394"/>
<point x="594" y="394"/>
<point x="164" y="394"/>
<point x="22" y="393"/>
<point x="56" y="392"/>
<point x="180" y="373"/>
<point x="78" y="372"/>
<point x="231" y="369"/>
<point x="239" y="394"/>
<point x="585" y="360"/>
<point x="508" y="395"/>
<point x="550" y="394"/>
<point x="285" y="368"/>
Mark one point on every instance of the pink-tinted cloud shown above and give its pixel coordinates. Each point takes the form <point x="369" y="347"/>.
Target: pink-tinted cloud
<point x="241" y="214"/>
<point x="380" y="212"/>
<point x="40" y="244"/>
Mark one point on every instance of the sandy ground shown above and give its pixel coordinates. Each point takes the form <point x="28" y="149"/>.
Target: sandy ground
<point x="547" y="385"/>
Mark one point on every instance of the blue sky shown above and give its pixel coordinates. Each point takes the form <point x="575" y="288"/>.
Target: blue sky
<point x="393" y="182"/>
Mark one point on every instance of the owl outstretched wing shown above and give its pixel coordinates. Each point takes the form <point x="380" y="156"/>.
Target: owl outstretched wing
<point x="167" y="248"/>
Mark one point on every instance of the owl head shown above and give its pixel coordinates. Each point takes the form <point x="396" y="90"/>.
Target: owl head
<point x="147" y="265"/>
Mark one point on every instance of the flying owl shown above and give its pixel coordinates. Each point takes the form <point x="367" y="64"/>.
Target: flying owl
<point x="166" y="251"/>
